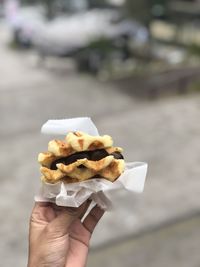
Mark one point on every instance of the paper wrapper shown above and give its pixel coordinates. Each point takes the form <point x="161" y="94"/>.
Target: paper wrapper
<point x="74" y="194"/>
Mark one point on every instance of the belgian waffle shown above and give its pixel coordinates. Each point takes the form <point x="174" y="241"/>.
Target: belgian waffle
<point x="81" y="157"/>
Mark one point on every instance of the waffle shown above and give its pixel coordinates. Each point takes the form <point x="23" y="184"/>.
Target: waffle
<point x="80" y="141"/>
<point x="81" y="157"/>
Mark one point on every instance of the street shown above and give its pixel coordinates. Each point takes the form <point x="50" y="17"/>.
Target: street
<point x="165" y="133"/>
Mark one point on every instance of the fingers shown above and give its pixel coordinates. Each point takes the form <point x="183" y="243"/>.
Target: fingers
<point x="66" y="216"/>
<point x="59" y="219"/>
<point x="87" y="204"/>
<point x="93" y="218"/>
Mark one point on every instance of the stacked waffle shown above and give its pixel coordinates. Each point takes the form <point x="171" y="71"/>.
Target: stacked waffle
<point x="81" y="157"/>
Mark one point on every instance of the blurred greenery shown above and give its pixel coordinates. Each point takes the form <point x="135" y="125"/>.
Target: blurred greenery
<point x="144" y="10"/>
<point x="103" y="44"/>
<point x="195" y="87"/>
<point x="93" y="57"/>
<point x="194" y="49"/>
<point x="97" y="3"/>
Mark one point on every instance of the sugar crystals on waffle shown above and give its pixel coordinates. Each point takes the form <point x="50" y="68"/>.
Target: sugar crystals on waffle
<point x="81" y="157"/>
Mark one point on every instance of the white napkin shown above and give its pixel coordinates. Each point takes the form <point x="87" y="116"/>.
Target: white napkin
<point x="70" y="125"/>
<point x="73" y="195"/>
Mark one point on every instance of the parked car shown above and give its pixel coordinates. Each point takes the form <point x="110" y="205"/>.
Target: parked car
<point x="69" y="33"/>
<point x="25" y="22"/>
<point x="82" y="35"/>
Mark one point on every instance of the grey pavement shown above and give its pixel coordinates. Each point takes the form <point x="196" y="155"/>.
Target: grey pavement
<point x="174" y="245"/>
<point x="164" y="133"/>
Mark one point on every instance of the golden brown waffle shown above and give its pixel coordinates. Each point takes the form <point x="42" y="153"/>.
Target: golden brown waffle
<point x="80" y="141"/>
<point x="54" y="168"/>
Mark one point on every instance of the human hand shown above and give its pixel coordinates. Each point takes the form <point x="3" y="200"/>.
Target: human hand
<point x="58" y="237"/>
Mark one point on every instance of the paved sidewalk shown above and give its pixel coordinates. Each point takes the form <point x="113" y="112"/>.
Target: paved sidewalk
<point x="174" y="245"/>
<point x="163" y="133"/>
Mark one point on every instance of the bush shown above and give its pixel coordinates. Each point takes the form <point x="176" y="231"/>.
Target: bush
<point x="194" y="49"/>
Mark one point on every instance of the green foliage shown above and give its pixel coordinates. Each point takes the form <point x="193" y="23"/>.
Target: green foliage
<point x="194" y="49"/>
<point x="141" y="10"/>
<point x="31" y="1"/>
<point x="195" y="87"/>
<point x="97" y="3"/>
<point x="102" y="44"/>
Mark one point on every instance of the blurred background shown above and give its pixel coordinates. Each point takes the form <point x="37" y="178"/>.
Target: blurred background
<point x="134" y="67"/>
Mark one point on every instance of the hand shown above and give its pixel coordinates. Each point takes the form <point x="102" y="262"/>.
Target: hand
<point x="58" y="237"/>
